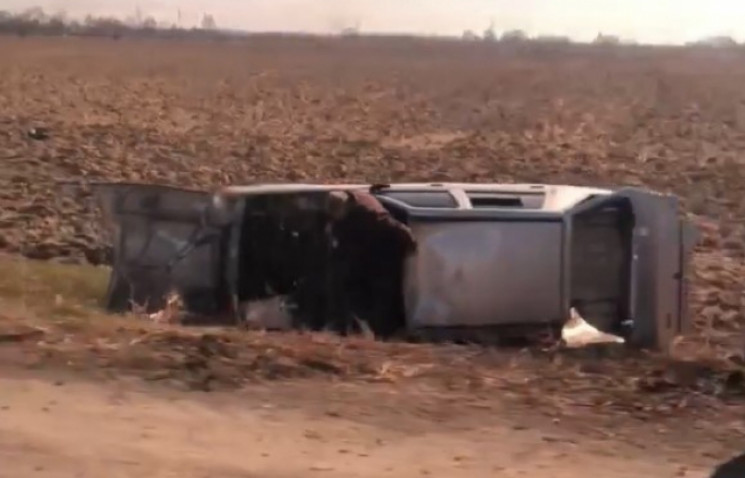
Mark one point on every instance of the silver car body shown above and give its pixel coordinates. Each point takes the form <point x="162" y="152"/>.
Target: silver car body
<point x="489" y="255"/>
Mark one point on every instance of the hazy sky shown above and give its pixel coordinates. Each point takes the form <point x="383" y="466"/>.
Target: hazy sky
<point x="659" y="21"/>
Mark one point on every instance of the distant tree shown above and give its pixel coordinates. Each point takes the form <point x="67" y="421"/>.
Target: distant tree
<point x="514" y="36"/>
<point x="351" y="31"/>
<point x="553" y="39"/>
<point x="33" y="14"/>
<point x="490" y="34"/>
<point x="58" y="24"/>
<point x="60" y="17"/>
<point x="208" y="22"/>
<point x="6" y="20"/>
<point x="470" y="35"/>
<point x="149" y="23"/>
<point x="722" y="41"/>
<point x="603" y="39"/>
<point x="104" y="26"/>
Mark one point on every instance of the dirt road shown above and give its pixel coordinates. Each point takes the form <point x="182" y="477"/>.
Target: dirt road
<point x="55" y="429"/>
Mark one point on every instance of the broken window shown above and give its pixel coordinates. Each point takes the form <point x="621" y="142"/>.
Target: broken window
<point x="336" y="273"/>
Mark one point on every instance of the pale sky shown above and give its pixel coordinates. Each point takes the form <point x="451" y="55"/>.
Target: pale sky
<point x="654" y="21"/>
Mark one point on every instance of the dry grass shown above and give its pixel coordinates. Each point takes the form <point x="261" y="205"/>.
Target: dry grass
<point x="50" y="289"/>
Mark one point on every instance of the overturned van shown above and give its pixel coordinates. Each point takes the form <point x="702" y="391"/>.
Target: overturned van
<point x="489" y="257"/>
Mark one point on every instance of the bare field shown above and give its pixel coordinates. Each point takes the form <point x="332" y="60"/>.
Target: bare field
<point x="271" y="109"/>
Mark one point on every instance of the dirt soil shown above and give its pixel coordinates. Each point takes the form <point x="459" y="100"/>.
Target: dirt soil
<point x="124" y="398"/>
<point x="59" y="428"/>
<point x="84" y="396"/>
<point x="88" y="395"/>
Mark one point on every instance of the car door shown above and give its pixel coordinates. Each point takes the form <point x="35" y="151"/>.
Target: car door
<point x="165" y="240"/>
<point x="662" y="247"/>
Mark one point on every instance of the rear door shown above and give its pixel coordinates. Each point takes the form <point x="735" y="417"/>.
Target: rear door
<point x="662" y="247"/>
<point x="164" y="240"/>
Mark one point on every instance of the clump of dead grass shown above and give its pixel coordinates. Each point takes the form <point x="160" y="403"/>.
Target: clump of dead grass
<point x="53" y="289"/>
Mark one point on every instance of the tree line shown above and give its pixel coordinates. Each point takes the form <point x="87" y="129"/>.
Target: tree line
<point x="35" y="21"/>
<point x="519" y="36"/>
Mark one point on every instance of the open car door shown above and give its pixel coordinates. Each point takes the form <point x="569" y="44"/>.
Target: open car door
<point x="165" y="240"/>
